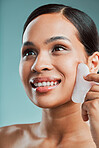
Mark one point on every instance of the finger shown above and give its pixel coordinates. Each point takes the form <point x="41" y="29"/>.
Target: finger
<point x="91" y="96"/>
<point x="95" y="88"/>
<point x="92" y="109"/>
<point x="92" y="77"/>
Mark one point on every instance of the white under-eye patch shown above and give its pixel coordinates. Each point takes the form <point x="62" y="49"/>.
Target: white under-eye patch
<point x="82" y="86"/>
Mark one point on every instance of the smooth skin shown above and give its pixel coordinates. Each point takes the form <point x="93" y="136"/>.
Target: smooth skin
<point x="63" y="122"/>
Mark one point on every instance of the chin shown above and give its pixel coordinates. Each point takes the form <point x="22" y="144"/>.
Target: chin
<point x="51" y="99"/>
<point x="49" y="102"/>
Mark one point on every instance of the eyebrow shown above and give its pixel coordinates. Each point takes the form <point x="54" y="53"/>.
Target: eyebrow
<point x="28" y="43"/>
<point x="52" y="39"/>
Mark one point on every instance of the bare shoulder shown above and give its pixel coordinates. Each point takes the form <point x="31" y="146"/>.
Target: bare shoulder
<point x="14" y="135"/>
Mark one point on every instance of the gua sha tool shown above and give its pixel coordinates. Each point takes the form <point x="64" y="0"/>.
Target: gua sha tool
<point x="82" y="86"/>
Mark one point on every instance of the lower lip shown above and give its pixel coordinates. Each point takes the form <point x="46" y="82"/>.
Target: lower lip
<point x="45" y="88"/>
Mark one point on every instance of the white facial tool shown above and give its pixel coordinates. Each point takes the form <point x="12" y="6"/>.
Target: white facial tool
<point x="82" y="86"/>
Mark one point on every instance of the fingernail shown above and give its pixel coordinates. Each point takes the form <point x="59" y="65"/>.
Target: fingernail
<point x="85" y="77"/>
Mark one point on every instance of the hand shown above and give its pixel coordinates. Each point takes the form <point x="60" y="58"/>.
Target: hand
<point x="90" y="107"/>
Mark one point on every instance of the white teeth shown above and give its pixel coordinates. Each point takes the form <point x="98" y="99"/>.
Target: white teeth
<point x="39" y="84"/>
<point x="36" y="84"/>
<point x="45" y="84"/>
<point x="48" y="83"/>
<point x="51" y="83"/>
<point x="55" y="83"/>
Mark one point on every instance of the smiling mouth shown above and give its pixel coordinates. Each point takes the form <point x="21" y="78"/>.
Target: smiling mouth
<point x="43" y="84"/>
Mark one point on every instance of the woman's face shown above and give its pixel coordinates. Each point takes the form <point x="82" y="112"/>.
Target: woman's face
<point x="50" y="52"/>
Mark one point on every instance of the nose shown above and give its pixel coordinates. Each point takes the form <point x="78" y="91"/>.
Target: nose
<point x="42" y="63"/>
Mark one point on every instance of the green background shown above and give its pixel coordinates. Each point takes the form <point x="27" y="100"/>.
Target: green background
<point x="15" y="107"/>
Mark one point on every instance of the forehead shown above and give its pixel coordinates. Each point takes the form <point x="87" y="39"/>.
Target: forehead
<point x="47" y="25"/>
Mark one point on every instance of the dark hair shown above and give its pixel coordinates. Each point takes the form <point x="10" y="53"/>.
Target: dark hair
<point x="86" y="27"/>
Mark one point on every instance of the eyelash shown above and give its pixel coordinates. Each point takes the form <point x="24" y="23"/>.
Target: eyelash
<point x="29" y="50"/>
<point x="59" y="47"/>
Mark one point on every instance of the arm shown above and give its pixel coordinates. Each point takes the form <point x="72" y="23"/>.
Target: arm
<point x="90" y="107"/>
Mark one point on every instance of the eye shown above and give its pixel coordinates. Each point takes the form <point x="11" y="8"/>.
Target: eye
<point x="29" y="52"/>
<point x="59" y="48"/>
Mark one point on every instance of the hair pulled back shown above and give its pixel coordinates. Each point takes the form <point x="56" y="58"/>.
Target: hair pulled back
<point x="87" y="31"/>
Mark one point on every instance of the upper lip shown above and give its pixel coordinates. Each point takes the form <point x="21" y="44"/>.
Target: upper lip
<point x="44" y="79"/>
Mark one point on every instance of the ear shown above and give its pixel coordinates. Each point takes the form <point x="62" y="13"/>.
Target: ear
<point x="93" y="62"/>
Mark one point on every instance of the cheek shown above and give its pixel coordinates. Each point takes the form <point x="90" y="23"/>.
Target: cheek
<point x="67" y="65"/>
<point x="24" y="70"/>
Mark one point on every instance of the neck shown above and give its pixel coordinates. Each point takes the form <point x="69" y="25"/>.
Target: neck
<point x="62" y="121"/>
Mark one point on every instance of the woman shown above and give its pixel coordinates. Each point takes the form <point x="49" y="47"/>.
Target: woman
<point x="56" y="38"/>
